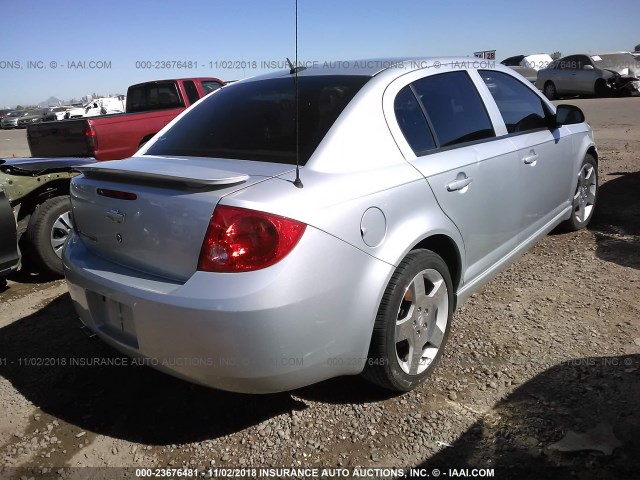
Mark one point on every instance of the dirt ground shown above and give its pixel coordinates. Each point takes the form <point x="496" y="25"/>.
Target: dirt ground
<point x="540" y="378"/>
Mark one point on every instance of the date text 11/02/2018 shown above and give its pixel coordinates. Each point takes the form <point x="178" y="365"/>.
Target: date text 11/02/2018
<point x="361" y="472"/>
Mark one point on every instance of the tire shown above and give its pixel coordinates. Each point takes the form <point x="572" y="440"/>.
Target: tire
<point x="417" y="305"/>
<point x="585" y="196"/>
<point x="550" y="91"/>
<point x="48" y="229"/>
<point x="601" y="89"/>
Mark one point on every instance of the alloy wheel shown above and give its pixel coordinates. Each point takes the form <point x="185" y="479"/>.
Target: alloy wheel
<point x="585" y="196"/>
<point x="60" y="232"/>
<point x="421" y="322"/>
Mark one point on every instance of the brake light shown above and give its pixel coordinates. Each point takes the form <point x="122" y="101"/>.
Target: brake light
<point x="117" y="194"/>
<point x="242" y="240"/>
<point x="92" y="138"/>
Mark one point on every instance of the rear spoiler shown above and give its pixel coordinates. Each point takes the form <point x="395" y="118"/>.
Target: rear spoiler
<point x="162" y="171"/>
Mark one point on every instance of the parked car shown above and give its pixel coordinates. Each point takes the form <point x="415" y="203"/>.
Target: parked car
<point x="37" y="190"/>
<point x="34" y="116"/>
<point x="10" y="120"/>
<point x="256" y="247"/>
<point x="4" y="112"/>
<point x="601" y="75"/>
<point x="528" y="65"/>
<point x="9" y="253"/>
<point x="149" y="106"/>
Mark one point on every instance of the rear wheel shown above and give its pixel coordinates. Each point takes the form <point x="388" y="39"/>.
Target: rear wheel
<point x="412" y="324"/>
<point x="550" y="91"/>
<point x="48" y="229"/>
<point x="584" y="198"/>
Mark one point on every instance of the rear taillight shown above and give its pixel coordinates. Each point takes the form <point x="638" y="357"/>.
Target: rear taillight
<point x="241" y="240"/>
<point x="92" y="138"/>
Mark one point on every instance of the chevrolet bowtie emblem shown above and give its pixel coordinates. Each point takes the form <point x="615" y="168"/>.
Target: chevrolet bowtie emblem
<point x="115" y="215"/>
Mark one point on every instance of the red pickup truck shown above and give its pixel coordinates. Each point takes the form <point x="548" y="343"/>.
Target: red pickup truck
<point x="150" y="106"/>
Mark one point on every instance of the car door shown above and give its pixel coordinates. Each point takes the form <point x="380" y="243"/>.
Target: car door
<point x="472" y="174"/>
<point x="8" y="240"/>
<point x="585" y="75"/>
<point x="543" y="155"/>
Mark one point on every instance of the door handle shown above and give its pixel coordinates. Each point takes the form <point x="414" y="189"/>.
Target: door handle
<point x="458" y="184"/>
<point x="531" y="159"/>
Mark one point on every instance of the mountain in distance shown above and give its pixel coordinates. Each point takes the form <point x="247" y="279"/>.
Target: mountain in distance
<point x="51" y="101"/>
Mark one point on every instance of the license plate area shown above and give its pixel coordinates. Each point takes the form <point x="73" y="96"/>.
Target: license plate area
<point x="113" y="318"/>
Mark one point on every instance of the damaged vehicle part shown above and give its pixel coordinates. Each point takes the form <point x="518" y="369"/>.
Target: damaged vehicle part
<point x="37" y="191"/>
<point x="9" y="253"/>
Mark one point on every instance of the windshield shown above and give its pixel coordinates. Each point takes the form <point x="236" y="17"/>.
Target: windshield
<point x="18" y="113"/>
<point x="256" y="120"/>
<point x="615" y="61"/>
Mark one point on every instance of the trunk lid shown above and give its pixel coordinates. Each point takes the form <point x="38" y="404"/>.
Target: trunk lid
<point x="161" y="230"/>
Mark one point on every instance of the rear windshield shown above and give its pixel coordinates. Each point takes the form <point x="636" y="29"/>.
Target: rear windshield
<point x="153" y="96"/>
<point x="257" y="120"/>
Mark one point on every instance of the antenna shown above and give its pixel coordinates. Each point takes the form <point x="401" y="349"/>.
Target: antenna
<point x="297" y="182"/>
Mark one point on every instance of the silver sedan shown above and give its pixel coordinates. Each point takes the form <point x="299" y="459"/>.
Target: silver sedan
<point x="327" y="221"/>
<point x="601" y="75"/>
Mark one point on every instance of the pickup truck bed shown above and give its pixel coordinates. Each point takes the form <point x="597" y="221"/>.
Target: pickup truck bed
<point x="150" y="107"/>
<point x="81" y="137"/>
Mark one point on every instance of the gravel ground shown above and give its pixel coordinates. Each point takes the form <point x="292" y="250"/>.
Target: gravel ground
<point x="540" y="378"/>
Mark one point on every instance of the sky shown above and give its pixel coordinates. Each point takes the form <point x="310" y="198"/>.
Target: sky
<point x="68" y="49"/>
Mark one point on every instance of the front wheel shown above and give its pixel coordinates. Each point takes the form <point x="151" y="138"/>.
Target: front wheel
<point x="48" y="229"/>
<point x="412" y="324"/>
<point x="550" y="91"/>
<point x="602" y="89"/>
<point x="586" y="193"/>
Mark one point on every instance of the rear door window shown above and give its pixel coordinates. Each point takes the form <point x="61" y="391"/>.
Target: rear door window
<point x="454" y="107"/>
<point x="568" y="63"/>
<point x="412" y="122"/>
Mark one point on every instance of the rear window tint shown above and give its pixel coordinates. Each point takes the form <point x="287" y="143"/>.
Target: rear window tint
<point x="256" y="120"/>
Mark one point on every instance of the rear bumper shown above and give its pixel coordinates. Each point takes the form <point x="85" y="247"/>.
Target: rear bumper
<point x="303" y="320"/>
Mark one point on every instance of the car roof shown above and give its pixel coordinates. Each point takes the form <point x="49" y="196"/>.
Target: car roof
<point x="372" y="66"/>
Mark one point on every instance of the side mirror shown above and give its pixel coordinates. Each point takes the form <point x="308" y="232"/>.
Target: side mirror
<point x="568" y="115"/>
<point x="588" y="67"/>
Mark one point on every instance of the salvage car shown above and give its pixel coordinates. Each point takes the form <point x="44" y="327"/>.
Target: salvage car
<point x="37" y="191"/>
<point x="318" y="222"/>
<point x="9" y="253"/>
<point x="601" y="75"/>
